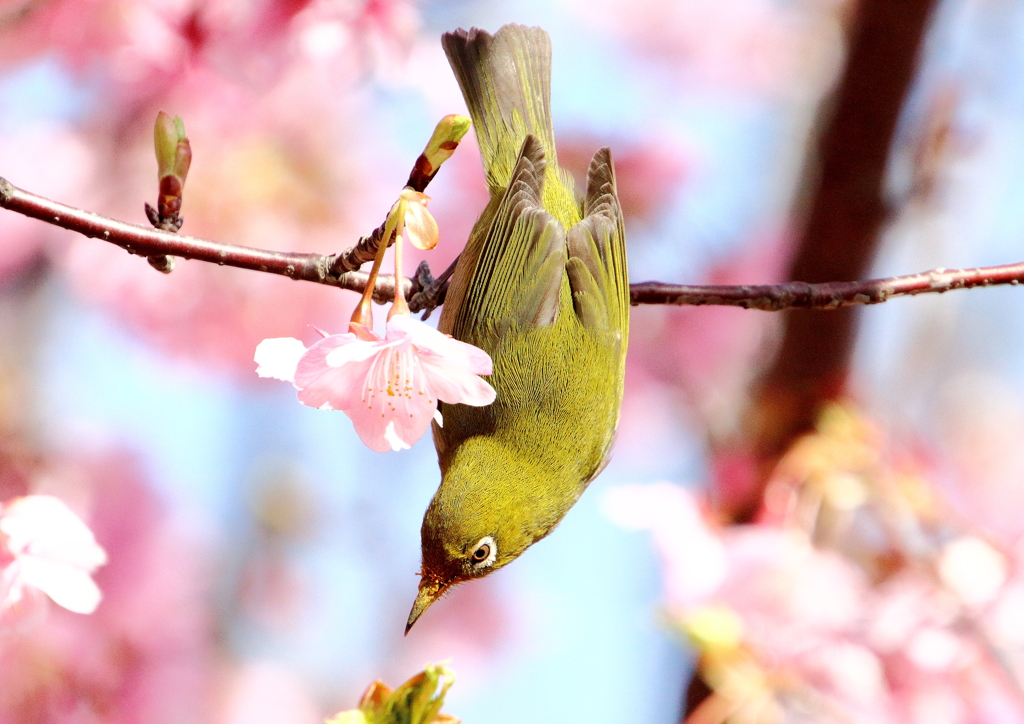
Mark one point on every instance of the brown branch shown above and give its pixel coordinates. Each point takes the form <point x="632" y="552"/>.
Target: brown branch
<point x="364" y="251"/>
<point x="149" y="242"/>
<point x="425" y="294"/>
<point x="825" y="295"/>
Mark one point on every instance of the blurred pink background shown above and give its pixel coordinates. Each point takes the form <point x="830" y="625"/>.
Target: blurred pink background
<point x="262" y="562"/>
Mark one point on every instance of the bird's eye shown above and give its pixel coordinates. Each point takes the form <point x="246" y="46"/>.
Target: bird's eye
<point x="484" y="553"/>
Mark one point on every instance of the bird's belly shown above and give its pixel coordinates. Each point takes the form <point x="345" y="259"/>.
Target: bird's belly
<point x="567" y="409"/>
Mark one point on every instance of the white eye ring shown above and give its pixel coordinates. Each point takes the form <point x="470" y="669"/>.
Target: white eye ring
<point x="484" y="553"/>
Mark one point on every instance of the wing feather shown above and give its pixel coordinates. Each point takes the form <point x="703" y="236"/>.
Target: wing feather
<point x="597" y="253"/>
<point x="516" y="269"/>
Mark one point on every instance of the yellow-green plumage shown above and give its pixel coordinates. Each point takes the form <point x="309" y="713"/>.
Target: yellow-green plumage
<point x="542" y="287"/>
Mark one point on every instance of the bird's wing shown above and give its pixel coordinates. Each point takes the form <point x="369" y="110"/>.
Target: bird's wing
<point x="597" y="254"/>
<point x="515" y="270"/>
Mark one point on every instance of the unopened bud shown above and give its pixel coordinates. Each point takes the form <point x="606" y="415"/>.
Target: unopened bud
<point x="173" y="154"/>
<point x="173" y="158"/>
<point x="374" y="697"/>
<point x="447" y="134"/>
<point x="417" y="701"/>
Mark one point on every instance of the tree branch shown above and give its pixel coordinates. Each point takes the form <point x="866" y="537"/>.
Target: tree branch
<point x="148" y="242"/>
<point x="825" y="295"/>
<point x="424" y="295"/>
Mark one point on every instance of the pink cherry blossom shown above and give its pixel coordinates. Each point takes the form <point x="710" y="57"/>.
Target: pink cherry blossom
<point x="50" y="549"/>
<point x="148" y="653"/>
<point x="389" y="387"/>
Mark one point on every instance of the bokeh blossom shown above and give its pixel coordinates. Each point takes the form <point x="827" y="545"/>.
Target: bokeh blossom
<point x="147" y="653"/>
<point x="771" y="616"/>
<point x="852" y="598"/>
<point x="389" y="387"/>
<point x="859" y="592"/>
<point x="49" y="549"/>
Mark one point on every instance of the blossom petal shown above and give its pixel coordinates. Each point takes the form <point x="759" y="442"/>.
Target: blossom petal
<point x="456" y="384"/>
<point x="314" y="358"/>
<point x="420" y="227"/>
<point x="68" y="586"/>
<point x="391" y="430"/>
<point x="392" y="438"/>
<point x="397" y="408"/>
<point x="336" y="388"/>
<point x="332" y="373"/>
<point x="356" y="351"/>
<point x="412" y="419"/>
<point x="279" y="357"/>
<point x="428" y="339"/>
<point x="44" y="527"/>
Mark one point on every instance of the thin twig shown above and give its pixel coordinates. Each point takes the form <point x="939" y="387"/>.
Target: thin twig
<point x="148" y="242"/>
<point x="826" y="295"/>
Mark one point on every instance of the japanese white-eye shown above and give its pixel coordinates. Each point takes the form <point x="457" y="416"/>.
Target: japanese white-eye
<point x="542" y="287"/>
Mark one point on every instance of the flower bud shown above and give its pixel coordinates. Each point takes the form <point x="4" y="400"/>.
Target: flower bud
<point x="173" y="158"/>
<point x="374" y="696"/>
<point x="417" y="701"/>
<point x="447" y="134"/>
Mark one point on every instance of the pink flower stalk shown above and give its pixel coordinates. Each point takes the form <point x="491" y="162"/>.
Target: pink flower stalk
<point x="389" y="387"/>
<point x="46" y="547"/>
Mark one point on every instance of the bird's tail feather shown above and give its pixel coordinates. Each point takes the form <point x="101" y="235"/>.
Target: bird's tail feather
<point x="509" y="71"/>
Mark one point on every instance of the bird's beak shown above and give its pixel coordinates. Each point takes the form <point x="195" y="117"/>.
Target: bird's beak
<point x="430" y="590"/>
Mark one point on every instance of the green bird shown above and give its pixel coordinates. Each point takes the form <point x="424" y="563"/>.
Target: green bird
<point x="542" y="287"/>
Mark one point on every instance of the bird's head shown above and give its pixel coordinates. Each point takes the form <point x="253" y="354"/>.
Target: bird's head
<point x="480" y="520"/>
<point x="444" y="566"/>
